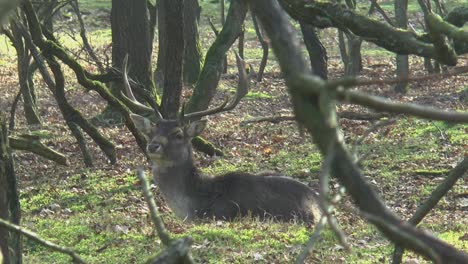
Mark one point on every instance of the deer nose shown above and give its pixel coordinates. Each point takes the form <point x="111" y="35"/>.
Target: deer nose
<point x="153" y="147"/>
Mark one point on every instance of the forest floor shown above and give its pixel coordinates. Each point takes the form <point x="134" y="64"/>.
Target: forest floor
<point x="101" y="213"/>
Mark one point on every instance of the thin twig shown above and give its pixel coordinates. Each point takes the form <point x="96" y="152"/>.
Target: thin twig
<point x="35" y="237"/>
<point x="157" y="221"/>
<point x="371" y="129"/>
<point x="323" y="198"/>
<point x="311" y="242"/>
<point x="382" y="12"/>
<point x="458" y="172"/>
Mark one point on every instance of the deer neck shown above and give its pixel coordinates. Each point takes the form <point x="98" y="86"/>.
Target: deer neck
<point x="176" y="183"/>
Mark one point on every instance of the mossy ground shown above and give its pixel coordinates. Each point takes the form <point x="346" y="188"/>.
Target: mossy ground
<point x="101" y="212"/>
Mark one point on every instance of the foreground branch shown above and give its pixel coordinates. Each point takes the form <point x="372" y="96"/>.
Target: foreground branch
<point x="35" y="237"/>
<point x="458" y="172"/>
<point x="314" y="86"/>
<point x="175" y="249"/>
<point x="309" y="115"/>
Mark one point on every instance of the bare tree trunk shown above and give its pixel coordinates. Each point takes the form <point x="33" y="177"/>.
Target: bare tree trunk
<point x="240" y="42"/>
<point x="223" y="20"/>
<point x="212" y="69"/>
<point x="265" y="47"/>
<point x="158" y="75"/>
<point x="193" y="58"/>
<point x="24" y="58"/>
<point x="10" y="242"/>
<point x="402" y="64"/>
<point x="131" y="35"/>
<point x="317" y="52"/>
<point x="174" y="28"/>
<point x="354" y="55"/>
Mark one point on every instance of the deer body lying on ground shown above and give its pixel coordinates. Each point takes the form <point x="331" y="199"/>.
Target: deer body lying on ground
<point x="192" y="195"/>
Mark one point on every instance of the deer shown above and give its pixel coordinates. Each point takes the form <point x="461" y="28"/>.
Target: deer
<point x="193" y="195"/>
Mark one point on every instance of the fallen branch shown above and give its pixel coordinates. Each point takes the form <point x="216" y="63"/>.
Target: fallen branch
<point x="33" y="145"/>
<point x="35" y="237"/>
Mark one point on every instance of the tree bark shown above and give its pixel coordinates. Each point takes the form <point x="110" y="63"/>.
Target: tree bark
<point x="173" y="59"/>
<point x="317" y="52"/>
<point x="23" y="59"/>
<point x="158" y="75"/>
<point x="402" y="64"/>
<point x="265" y="47"/>
<point x="10" y="242"/>
<point x="212" y="69"/>
<point x="193" y="58"/>
<point x="131" y="35"/>
<point x="354" y="55"/>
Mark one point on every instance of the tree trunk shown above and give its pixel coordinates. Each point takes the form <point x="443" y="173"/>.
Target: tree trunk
<point x="223" y="19"/>
<point x="174" y="38"/>
<point x="131" y="35"/>
<point x="30" y="108"/>
<point x="158" y="75"/>
<point x="10" y="242"/>
<point x="354" y="55"/>
<point x="265" y="47"/>
<point x="193" y="58"/>
<point x="317" y="52"/>
<point x="240" y="42"/>
<point x="402" y="64"/>
<point x="212" y="69"/>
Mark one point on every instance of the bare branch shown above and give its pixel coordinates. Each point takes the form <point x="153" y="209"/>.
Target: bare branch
<point x="35" y="237"/>
<point x="84" y="38"/>
<point x="179" y="246"/>
<point x="157" y="221"/>
<point x="311" y="242"/>
<point x="458" y="172"/>
<point x="313" y="86"/>
<point x="382" y="12"/>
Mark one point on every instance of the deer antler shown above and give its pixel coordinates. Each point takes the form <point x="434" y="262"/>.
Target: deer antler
<point x="242" y="89"/>
<point x="130" y="99"/>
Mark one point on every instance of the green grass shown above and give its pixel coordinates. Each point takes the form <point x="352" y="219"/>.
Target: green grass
<point x="258" y="95"/>
<point x="87" y="5"/>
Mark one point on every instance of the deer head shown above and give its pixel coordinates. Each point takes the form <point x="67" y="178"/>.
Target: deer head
<point x="169" y="140"/>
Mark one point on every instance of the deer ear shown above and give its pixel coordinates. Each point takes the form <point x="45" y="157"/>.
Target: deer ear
<point x="195" y="128"/>
<point x="143" y="124"/>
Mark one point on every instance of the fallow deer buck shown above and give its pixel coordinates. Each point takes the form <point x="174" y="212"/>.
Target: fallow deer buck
<point x="192" y="195"/>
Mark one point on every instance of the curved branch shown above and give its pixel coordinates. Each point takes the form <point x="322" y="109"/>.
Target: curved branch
<point x="327" y="14"/>
<point x="35" y="237"/>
